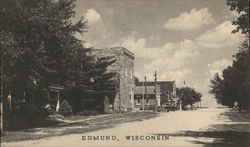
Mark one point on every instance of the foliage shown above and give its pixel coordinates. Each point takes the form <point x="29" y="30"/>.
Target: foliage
<point x="242" y="22"/>
<point x="24" y="115"/>
<point x="40" y="49"/>
<point x="101" y="83"/>
<point x="38" y="43"/>
<point x="188" y="95"/>
<point x="234" y="84"/>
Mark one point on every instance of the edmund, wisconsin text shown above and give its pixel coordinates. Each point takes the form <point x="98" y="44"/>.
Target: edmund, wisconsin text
<point x="127" y="137"/>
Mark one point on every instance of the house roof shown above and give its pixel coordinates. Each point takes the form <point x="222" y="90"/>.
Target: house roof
<point x="164" y="85"/>
<point x="147" y="90"/>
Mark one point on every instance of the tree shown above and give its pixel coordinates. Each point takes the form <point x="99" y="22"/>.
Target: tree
<point x="89" y="93"/>
<point x="39" y="45"/>
<point x="104" y="83"/>
<point x="40" y="49"/>
<point x="216" y="88"/>
<point x="188" y="96"/>
<point x="242" y="22"/>
<point x="234" y="84"/>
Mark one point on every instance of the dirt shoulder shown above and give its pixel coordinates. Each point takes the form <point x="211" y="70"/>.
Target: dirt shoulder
<point x="77" y="125"/>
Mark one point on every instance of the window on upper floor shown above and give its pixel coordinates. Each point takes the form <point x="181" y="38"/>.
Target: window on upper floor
<point x="131" y="74"/>
<point x="126" y="71"/>
<point x="147" y="102"/>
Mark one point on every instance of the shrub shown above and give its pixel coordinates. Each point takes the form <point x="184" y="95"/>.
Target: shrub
<point x="65" y="108"/>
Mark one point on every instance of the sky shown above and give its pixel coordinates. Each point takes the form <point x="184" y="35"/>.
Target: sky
<point x="183" y="40"/>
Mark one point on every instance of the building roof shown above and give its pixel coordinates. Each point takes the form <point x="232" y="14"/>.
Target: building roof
<point x="147" y="90"/>
<point x="164" y="85"/>
<point x="115" y="50"/>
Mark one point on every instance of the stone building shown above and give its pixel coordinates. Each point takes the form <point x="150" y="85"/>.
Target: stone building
<point x="124" y="67"/>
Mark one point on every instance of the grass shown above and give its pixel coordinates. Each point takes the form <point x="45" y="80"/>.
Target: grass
<point x="81" y="124"/>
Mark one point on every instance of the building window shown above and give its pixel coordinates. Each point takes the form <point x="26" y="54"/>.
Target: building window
<point x="131" y="96"/>
<point x="126" y="71"/>
<point x="147" y="101"/>
<point x="138" y="102"/>
<point x="131" y="74"/>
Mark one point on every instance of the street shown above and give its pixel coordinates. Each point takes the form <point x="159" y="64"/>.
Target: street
<point x="175" y="128"/>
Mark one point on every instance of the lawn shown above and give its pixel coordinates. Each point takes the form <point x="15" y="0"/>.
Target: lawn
<point x="77" y="125"/>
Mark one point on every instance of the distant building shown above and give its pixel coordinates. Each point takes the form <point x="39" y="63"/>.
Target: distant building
<point x="124" y="66"/>
<point x="149" y="95"/>
<point x="167" y="90"/>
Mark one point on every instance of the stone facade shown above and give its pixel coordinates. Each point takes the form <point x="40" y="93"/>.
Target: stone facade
<point x="124" y="66"/>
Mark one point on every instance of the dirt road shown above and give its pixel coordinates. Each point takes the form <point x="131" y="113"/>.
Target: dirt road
<point x="166" y="130"/>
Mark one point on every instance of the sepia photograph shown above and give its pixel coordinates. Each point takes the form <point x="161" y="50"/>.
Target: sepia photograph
<point x="124" y="73"/>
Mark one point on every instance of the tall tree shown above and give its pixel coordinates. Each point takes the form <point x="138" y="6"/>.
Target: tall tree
<point x="39" y="43"/>
<point x="98" y="82"/>
<point x="234" y="84"/>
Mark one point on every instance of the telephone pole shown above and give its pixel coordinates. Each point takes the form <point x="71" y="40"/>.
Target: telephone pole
<point x="143" y="93"/>
<point x="157" y="100"/>
<point x="1" y="76"/>
<point x="155" y="75"/>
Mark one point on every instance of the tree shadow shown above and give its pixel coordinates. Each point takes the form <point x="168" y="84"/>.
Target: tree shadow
<point x="221" y="138"/>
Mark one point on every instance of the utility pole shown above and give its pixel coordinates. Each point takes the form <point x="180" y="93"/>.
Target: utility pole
<point x="143" y="95"/>
<point x="145" y="85"/>
<point x="1" y="52"/>
<point x="155" y="75"/>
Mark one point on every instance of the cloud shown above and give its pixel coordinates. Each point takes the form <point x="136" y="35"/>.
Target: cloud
<point x="170" y="60"/>
<point x="218" y="65"/>
<point x="220" y="37"/>
<point x="92" y="16"/>
<point x="169" y="52"/>
<point x="179" y="75"/>
<point x="97" y="32"/>
<point x="174" y="56"/>
<point x="189" y="21"/>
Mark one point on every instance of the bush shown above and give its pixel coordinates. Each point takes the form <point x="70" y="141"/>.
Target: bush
<point x="65" y="108"/>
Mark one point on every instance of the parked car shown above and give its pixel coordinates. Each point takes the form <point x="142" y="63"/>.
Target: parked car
<point x="161" y="108"/>
<point x="166" y="107"/>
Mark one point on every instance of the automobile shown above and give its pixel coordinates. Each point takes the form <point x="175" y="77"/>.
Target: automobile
<point x="161" y="108"/>
<point x="166" y="108"/>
